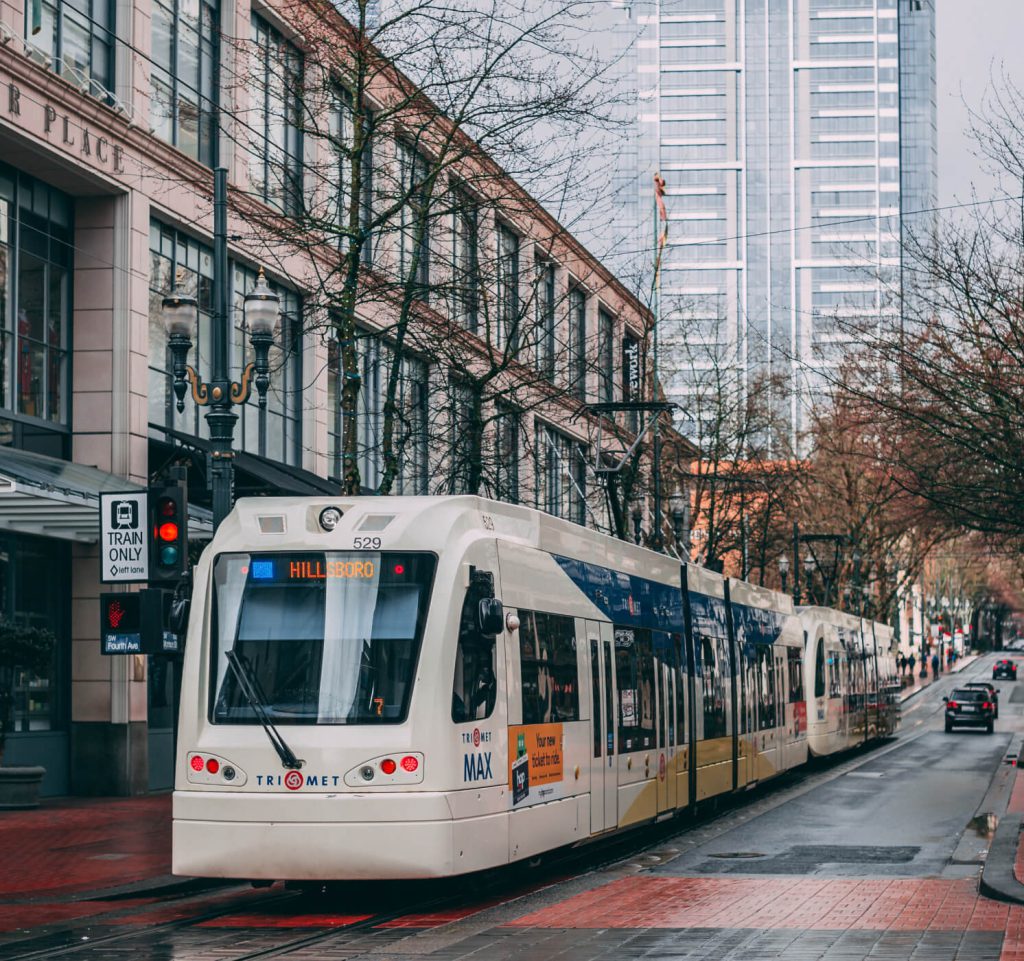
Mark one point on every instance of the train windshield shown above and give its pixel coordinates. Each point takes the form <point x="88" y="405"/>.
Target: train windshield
<point x="327" y="638"/>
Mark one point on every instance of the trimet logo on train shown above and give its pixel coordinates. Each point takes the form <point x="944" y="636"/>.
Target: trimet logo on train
<point x="294" y="780"/>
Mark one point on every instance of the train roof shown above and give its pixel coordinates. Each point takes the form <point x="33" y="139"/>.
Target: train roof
<point x="426" y="523"/>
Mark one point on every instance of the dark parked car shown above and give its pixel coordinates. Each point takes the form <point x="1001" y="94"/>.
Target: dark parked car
<point x="969" y="707"/>
<point x="986" y="686"/>
<point x="1004" y="668"/>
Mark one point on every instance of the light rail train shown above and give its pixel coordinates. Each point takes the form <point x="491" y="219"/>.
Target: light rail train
<point x="413" y="687"/>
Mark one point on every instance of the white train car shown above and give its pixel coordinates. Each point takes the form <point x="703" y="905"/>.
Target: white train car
<point x="421" y="687"/>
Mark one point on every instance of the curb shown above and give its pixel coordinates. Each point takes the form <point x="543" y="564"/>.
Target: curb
<point x="998" y="880"/>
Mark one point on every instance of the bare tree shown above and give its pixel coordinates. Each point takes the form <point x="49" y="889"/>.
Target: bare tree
<point x="743" y="475"/>
<point x="413" y="122"/>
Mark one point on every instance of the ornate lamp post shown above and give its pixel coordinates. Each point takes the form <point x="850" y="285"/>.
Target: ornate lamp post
<point x="680" y="510"/>
<point x="221" y="394"/>
<point x="783" y="570"/>
<point x="809" y="564"/>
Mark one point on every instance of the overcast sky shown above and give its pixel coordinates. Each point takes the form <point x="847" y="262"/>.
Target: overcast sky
<point x="977" y="40"/>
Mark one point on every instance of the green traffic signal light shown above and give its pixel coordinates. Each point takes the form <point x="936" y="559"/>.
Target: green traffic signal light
<point x="169" y="555"/>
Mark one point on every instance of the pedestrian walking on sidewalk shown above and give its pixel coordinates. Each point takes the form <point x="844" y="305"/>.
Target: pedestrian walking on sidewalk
<point x="911" y="661"/>
<point x="935" y="666"/>
<point x="903" y="664"/>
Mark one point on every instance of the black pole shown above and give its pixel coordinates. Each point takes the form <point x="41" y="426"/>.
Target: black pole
<point x="221" y="416"/>
<point x="657" y="537"/>
<point x="796" y="562"/>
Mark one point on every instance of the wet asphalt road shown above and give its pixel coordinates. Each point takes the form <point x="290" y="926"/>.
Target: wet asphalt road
<point x="902" y="813"/>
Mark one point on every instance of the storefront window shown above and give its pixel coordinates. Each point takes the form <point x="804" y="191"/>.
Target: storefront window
<point x="29" y="567"/>
<point x="35" y="298"/>
<point x="77" y="39"/>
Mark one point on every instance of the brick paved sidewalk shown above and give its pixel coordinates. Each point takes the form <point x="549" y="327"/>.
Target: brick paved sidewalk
<point x="68" y="847"/>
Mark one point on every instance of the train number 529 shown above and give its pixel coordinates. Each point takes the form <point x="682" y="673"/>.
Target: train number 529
<point x="366" y="543"/>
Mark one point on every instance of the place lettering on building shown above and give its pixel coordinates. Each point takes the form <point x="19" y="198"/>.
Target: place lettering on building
<point x="63" y="128"/>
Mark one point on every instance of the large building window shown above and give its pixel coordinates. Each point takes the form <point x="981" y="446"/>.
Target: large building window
<point x="183" y="79"/>
<point x="578" y="343"/>
<point x="414" y="216"/>
<point x="77" y="38"/>
<point x="284" y="396"/>
<point x="465" y="259"/>
<point x="342" y="133"/>
<point x="275" y="119"/>
<point x="507" y="303"/>
<point x="506" y="425"/>
<point x="561" y="475"/>
<point x="35" y="298"/>
<point x="410" y="435"/>
<point x="544" y="322"/>
<point x="463" y="429"/>
<point x="177" y="260"/>
<point x="605" y="357"/>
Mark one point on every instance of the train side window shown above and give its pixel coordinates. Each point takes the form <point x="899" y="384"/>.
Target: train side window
<point x="766" y="687"/>
<point x="595" y="694"/>
<point x="475" y="687"/>
<point x="547" y="656"/>
<point x="819" y="668"/>
<point x="680" y="675"/>
<point x="713" y="672"/>
<point x="609" y="706"/>
<point x="634" y="671"/>
<point x="796" y="675"/>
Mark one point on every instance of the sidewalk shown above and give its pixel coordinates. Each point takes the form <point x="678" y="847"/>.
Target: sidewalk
<point x="920" y="683"/>
<point x="69" y="847"/>
<point x="74" y="859"/>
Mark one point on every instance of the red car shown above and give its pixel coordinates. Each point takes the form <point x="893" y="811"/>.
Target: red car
<point x="1004" y="668"/>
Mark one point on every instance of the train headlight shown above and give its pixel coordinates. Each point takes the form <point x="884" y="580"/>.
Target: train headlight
<point x="366" y="772"/>
<point x="330" y="518"/>
<point x="229" y="772"/>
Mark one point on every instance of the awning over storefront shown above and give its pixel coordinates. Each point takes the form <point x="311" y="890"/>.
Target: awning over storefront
<point x="54" y="498"/>
<point x="254" y="476"/>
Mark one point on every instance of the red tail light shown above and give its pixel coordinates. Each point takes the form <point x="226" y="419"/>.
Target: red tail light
<point x="409" y="763"/>
<point x="388" y="766"/>
<point x="952" y="705"/>
<point x="197" y="763"/>
<point x="987" y="706"/>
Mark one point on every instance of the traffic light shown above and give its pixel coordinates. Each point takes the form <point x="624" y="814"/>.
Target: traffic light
<point x="168" y="534"/>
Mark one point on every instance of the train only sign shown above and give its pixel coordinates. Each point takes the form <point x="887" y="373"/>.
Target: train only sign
<point x="124" y="548"/>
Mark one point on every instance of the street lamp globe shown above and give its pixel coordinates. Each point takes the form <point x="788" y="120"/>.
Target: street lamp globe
<point x="783" y="564"/>
<point x="262" y="309"/>
<point x="180" y="313"/>
<point x="809" y="563"/>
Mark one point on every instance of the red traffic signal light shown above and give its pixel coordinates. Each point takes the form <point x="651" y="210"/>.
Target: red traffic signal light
<point x="168" y="541"/>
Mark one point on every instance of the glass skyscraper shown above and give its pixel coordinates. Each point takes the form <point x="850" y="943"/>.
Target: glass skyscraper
<point x="790" y="134"/>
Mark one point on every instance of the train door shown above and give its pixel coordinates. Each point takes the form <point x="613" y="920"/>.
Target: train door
<point x="682" y="748"/>
<point x="603" y="806"/>
<point x="636" y="717"/>
<point x="667" y="734"/>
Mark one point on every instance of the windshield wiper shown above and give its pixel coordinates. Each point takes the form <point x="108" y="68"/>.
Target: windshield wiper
<point x="248" y="685"/>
